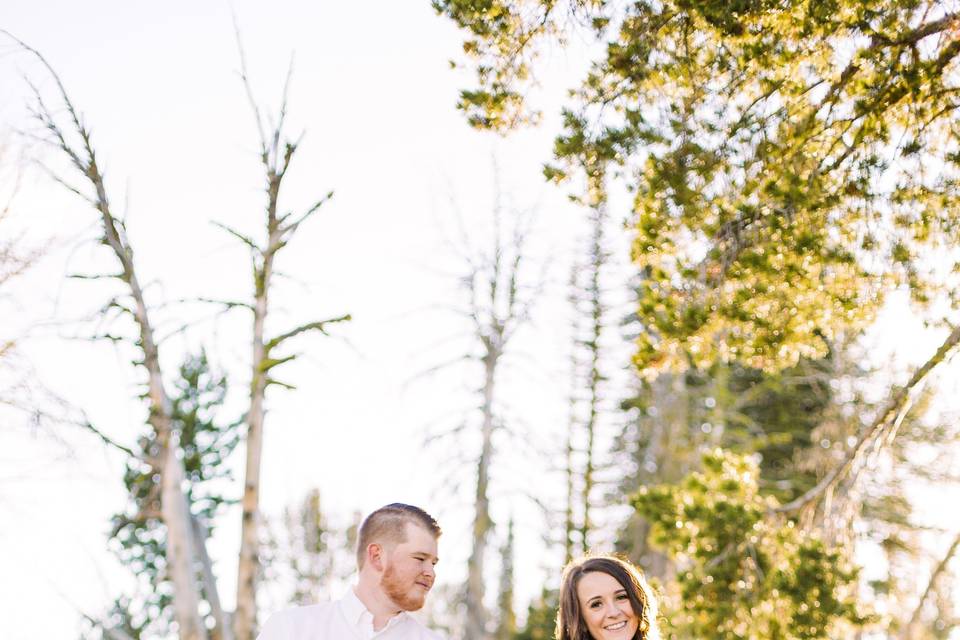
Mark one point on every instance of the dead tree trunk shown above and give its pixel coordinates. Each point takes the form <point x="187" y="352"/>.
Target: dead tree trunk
<point x="181" y="557"/>
<point x="498" y="304"/>
<point x="276" y="153"/>
<point x="589" y="308"/>
<point x="573" y="419"/>
<point x="482" y="522"/>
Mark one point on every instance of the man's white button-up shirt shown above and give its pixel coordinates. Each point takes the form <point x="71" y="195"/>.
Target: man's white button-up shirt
<point x="343" y="619"/>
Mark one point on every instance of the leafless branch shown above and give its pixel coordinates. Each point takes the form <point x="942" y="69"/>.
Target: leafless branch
<point x="885" y="424"/>
<point x="429" y="371"/>
<point x="247" y="240"/>
<point x="292" y="227"/>
<point x="249" y="89"/>
<point x="86" y="424"/>
<point x="938" y="571"/>
<point x="310" y="326"/>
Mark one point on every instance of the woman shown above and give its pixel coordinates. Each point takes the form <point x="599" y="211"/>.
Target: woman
<point x="605" y="598"/>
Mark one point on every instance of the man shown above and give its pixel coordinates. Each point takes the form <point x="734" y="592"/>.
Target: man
<point x="396" y="554"/>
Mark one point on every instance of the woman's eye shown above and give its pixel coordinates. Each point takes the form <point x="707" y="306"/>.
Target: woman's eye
<point x="594" y="605"/>
<point x="622" y="596"/>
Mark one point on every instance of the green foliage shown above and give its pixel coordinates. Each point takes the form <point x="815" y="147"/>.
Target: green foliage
<point x="743" y="574"/>
<point x="497" y="29"/>
<point x="776" y="415"/>
<point x="541" y="617"/>
<point x="790" y="161"/>
<point x="138" y="535"/>
<point x="743" y="410"/>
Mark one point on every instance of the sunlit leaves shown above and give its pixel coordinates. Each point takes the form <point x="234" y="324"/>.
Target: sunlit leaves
<point x="791" y="161"/>
<point x="742" y="574"/>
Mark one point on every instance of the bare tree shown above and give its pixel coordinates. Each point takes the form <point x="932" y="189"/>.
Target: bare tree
<point x="14" y="259"/>
<point x="276" y="154"/>
<point x="596" y="310"/>
<point x="496" y="311"/>
<point x="587" y="298"/>
<point x="570" y="471"/>
<point x="498" y="298"/>
<point x="185" y="550"/>
<point x="188" y="565"/>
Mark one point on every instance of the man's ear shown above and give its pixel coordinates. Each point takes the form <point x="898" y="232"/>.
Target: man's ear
<point x="375" y="556"/>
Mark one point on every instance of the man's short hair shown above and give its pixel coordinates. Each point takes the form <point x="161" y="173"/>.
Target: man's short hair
<point x="388" y="524"/>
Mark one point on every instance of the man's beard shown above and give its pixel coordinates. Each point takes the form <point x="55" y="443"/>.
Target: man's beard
<point x="405" y="596"/>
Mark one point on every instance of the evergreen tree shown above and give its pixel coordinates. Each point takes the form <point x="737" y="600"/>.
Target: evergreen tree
<point x="741" y="574"/>
<point x="748" y="411"/>
<point x="541" y="620"/>
<point x="791" y="161"/>
<point x="138" y="534"/>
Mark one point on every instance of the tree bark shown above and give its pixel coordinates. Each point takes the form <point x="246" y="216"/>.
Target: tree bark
<point x="595" y="376"/>
<point x="476" y="627"/>
<point x="222" y="628"/>
<point x="175" y="512"/>
<point x="569" y="523"/>
<point x="276" y="154"/>
<point x="248" y="564"/>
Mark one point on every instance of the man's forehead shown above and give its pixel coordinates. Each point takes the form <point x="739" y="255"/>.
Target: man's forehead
<point x="419" y="538"/>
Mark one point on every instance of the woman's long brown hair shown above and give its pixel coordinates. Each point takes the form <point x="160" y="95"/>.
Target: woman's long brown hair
<point x="570" y="624"/>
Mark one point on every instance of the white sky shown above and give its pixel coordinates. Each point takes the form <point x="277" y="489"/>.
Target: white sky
<point x="375" y="94"/>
